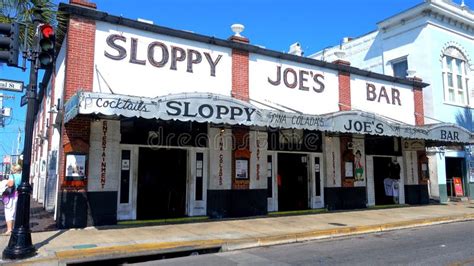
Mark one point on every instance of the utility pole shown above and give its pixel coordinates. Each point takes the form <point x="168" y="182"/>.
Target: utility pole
<point x="20" y="245"/>
<point x="18" y="145"/>
<point x="1" y="110"/>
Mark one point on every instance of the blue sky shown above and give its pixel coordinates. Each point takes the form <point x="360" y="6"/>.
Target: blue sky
<point x="275" y="24"/>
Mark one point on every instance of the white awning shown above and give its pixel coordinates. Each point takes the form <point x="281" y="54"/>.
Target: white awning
<point x="212" y="108"/>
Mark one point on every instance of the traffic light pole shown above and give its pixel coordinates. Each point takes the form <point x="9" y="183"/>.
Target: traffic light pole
<point x="20" y="245"/>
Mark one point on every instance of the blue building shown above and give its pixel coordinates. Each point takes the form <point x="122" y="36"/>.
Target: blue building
<point x="434" y="41"/>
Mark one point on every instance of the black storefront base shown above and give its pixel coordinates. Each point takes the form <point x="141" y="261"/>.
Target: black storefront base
<point x="345" y="198"/>
<point x="102" y="208"/>
<point x="72" y="210"/>
<point x="81" y="209"/>
<point x="236" y="203"/>
<point x="416" y="194"/>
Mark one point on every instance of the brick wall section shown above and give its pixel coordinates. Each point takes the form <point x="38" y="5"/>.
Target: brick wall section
<point x="240" y="71"/>
<point x="240" y="90"/>
<point x="79" y="56"/>
<point x="84" y="3"/>
<point x="418" y="99"/>
<point x="79" y="76"/>
<point x="344" y="79"/>
<point x="78" y="129"/>
<point x="75" y="139"/>
<point x="419" y="110"/>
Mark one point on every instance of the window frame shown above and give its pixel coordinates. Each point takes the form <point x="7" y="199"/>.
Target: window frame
<point x="398" y="61"/>
<point x="450" y="68"/>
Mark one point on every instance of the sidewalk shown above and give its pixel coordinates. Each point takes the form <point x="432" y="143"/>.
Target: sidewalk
<point x="40" y="220"/>
<point x="106" y="242"/>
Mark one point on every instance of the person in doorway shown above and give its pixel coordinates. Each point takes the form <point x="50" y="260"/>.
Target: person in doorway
<point x="10" y="198"/>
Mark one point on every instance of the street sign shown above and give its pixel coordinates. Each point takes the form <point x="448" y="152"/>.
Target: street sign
<point x="11" y="85"/>
<point x="24" y="100"/>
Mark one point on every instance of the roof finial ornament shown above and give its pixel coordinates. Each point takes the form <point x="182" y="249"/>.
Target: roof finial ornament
<point x="237" y="29"/>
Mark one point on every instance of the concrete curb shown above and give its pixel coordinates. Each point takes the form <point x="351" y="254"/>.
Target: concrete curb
<point x="133" y="250"/>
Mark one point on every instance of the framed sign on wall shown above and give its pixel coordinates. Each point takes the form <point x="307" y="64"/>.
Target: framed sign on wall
<point x="241" y="168"/>
<point x="75" y="167"/>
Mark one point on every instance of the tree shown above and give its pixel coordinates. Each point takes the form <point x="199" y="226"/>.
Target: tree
<point x="465" y="119"/>
<point x="22" y="11"/>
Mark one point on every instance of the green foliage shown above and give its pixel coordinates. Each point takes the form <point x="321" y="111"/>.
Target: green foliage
<point x="22" y="11"/>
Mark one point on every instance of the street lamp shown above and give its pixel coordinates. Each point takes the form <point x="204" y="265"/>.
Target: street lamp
<point x="20" y="245"/>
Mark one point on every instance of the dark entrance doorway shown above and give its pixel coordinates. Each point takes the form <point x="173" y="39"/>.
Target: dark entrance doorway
<point x="292" y="180"/>
<point x="382" y="171"/>
<point x="161" y="189"/>
<point x="454" y="168"/>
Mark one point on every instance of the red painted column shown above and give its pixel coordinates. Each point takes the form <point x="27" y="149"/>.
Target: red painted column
<point x="240" y="70"/>
<point x="240" y="90"/>
<point x="418" y="101"/>
<point x="79" y="76"/>
<point x="345" y="104"/>
<point x="344" y="78"/>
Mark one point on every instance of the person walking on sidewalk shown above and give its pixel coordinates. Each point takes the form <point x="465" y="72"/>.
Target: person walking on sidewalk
<point x="10" y="198"/>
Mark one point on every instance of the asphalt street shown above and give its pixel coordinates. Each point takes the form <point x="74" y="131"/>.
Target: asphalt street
<point x="448" y="244"/>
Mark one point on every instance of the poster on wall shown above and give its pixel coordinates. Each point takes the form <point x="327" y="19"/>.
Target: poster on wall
<point x="348" y="169"/>
<point x="75" y="167"/>
<point x="471" y="172"/>
<point x="458" y="187"/>
<point x="125" y="165"/>
<point x="241" y="169"/>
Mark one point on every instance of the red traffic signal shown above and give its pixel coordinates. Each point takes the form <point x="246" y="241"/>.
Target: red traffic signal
<point x="46" y="46"/>
<point x="47" y="31"/>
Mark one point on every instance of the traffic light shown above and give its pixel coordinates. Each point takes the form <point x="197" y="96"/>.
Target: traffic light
<point x="46" y="46"/>
<point x="9" y="43"/>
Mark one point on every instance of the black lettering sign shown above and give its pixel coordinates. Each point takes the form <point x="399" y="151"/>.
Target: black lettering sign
<point x="112" y="42"/>
<point x="164" y="54"/>
<point x="307" y="121"/>
<point x="301" y="79"/>
<point x="121" y="104"/>
<point x="364" y="127"/>
<point x="278" y="119"/>
<point x="382" y="95"/>
<point x="449" y="135"/>
<point x="208" y="111"/>
<point x="159" y="55"/>
<point x="133" y="55"/>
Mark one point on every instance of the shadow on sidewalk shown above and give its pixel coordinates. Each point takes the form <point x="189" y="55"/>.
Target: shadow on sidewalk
<point x="47" y="240"/>
<point x="40" y="219"/>
<point x="205" y="219"/>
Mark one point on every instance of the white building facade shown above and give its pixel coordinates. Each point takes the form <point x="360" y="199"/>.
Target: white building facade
<point x="142" y="122"/>
<point x="433" y="41"/>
